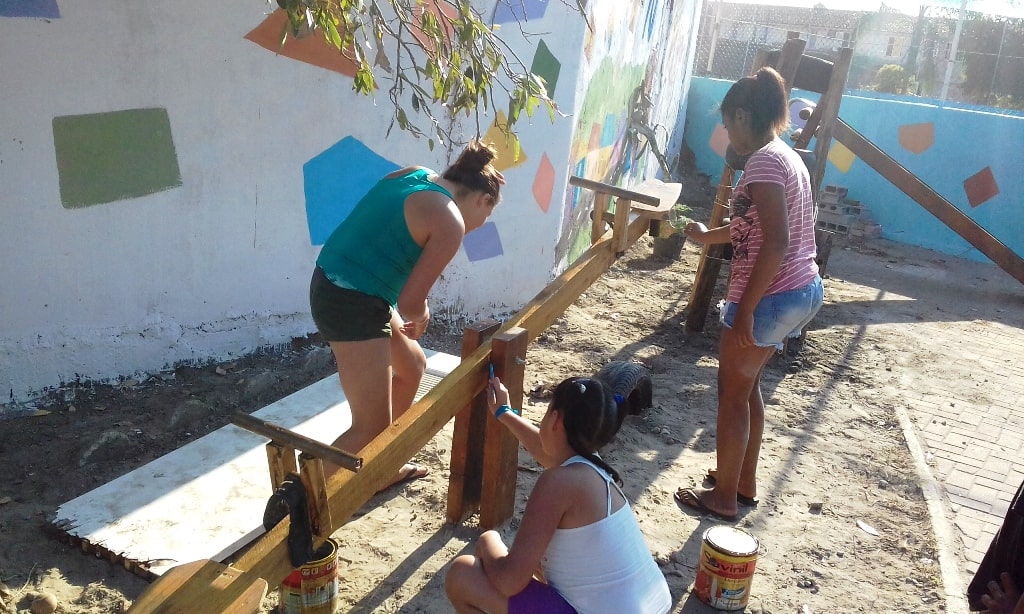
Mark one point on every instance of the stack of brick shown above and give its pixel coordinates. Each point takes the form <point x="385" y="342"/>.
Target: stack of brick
<point x="844" y="216"/>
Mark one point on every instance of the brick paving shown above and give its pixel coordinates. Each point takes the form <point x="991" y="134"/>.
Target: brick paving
<point x="963" y="388"/>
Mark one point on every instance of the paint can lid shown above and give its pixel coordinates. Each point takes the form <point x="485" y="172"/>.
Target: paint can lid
<point x="731" y="540"/>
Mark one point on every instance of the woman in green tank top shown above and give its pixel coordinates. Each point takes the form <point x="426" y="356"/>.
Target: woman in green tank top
<point x="368" y="294"/>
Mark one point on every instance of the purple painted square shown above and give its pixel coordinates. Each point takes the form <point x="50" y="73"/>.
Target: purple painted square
<point x="511" y="11"/>
<point x="483" y="243"/>
<point x="29" y="8"/>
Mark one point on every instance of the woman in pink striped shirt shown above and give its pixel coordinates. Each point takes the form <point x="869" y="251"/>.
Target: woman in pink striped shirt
<point x="774" y="287"/>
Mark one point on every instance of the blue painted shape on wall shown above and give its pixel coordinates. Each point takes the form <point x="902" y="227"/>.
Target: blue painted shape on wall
<point x="334" y="182"/>
<point x="483" y="243"/>
<point x="29" y="8"/>
<point x="518" y="10"/>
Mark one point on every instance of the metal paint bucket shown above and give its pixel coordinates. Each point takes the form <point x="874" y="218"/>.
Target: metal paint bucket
<point x="727" y="559"/>
<point x="313" y="587"/>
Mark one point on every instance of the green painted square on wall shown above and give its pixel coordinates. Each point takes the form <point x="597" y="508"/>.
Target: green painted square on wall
<point x="546" y="65"/>
<point x="104" y="157"/>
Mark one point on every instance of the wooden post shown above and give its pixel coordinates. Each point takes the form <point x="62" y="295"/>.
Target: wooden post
<point x="789" y="61"/>
<point x="501" y="448"/>
<point x="468" y="436"/>
<point x="601" y="202"/>
<point x="311" y="471"/>
<point x="620" y="238"/>
<point x="710" y="259"/>
<point x="831" y="100"/>
<point x="282" y="462"/>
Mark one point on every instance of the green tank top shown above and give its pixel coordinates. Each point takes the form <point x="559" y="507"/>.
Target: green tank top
<point x="372" y="251"/>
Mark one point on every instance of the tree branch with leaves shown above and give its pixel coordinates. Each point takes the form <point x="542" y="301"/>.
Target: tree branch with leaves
<point x="439" y="57"/>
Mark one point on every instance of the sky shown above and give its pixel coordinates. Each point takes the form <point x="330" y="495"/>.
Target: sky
<point x="1010" y="8"/>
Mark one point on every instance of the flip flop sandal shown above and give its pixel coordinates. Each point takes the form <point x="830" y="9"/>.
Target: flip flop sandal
<point x="688" y="497"/>
<point x="742" y="499"/>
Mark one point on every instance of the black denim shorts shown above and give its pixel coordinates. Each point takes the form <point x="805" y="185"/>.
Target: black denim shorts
<point x="341" y="314"/>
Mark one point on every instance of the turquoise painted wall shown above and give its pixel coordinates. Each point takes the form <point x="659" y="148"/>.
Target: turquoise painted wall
<point x="973" y="161"/>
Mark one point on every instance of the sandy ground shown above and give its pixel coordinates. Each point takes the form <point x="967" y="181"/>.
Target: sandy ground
<point x="843" y="524"/>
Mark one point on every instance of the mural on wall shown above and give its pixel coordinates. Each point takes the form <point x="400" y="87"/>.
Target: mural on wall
<point x="637" y="56"/>
<point x="105" y="157"/>
<point x="310" y="49"/>
<point x="46" y="9"/>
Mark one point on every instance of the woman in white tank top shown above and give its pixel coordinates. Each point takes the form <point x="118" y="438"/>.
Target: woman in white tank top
<point x="578" y="529"/>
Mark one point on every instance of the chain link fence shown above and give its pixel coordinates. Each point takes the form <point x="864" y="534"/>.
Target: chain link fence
<point x="894" y="53"/>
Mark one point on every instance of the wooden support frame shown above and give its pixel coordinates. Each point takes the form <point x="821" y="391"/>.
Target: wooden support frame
<point x="266" y="561"/>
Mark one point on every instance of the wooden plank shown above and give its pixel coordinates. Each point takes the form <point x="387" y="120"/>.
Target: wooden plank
<point x="710" y="265"/>
<point x="464" y="482"/>
<point x="789" y="60"/>
<point x="829" y="115"/>
<point x="281" y="459"/>
<point x="501" y="448"/>
<point x="278" y="433"/>
<point x="619" y="227"/>
<point x="311" y="472"/>
<point x="931" y="200"/>
<point x="598" y="215"/>
<point x="607" y="188"/>
<point x="228" y="590"/>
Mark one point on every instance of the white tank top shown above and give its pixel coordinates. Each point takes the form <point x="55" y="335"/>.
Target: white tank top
<point x="605" y="566"/>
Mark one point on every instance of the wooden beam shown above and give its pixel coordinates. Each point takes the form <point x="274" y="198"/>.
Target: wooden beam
<point x="829" y="115"/>
<point x="789" y="60"/>
<point x="604" y="188"/>
<point x="280" y="434"/>
<point x="931" y="200"/>
<point x="501" y="448"/>
<point x="710" y="264"/>
<point x="467" y="454"/>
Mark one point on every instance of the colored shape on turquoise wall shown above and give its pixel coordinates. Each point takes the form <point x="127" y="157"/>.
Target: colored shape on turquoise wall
<point x="546" y="66"/>
<point x="544" y="183"/>
<point x="334" y="182"/>
<point x="981" y="186"/>
<point x="840" y="156"/>
<point x="29" y="8"/>
<point x="312" y="49"/>
<point x="483" y="243"/>
<point x="917" y="138"/>
<point x="511" y="11"/>
<point x="104" y="157"/>
<point x="719" y="140"/>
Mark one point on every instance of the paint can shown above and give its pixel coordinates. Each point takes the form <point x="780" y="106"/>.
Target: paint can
<point x="727" y="559"/>
<point x="312" y="588"/>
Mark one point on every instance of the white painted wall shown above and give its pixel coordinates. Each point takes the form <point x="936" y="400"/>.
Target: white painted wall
<point x="219" y="266"/>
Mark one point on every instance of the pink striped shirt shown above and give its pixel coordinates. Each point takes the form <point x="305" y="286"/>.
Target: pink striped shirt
<point x="775" y="163"/>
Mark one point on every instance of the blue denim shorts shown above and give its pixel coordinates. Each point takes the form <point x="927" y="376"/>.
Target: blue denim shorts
<point x="781" y="316"/>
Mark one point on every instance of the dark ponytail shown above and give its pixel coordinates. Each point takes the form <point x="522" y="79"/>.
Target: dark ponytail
<point x="763" y="96"/>
<point x="591" y="417"/>
<point x="473" y="170"/>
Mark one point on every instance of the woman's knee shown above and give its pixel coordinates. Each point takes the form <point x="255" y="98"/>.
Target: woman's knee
<point x="458" y="575"/>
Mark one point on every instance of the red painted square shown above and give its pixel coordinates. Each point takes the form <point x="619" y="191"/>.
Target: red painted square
<point x="980" y="187"/>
